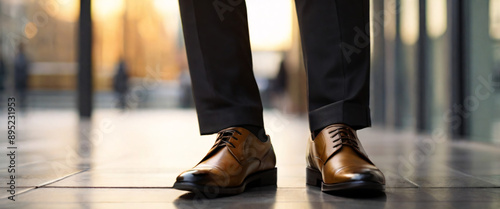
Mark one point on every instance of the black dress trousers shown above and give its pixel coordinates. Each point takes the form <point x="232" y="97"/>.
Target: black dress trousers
<point x="336" y="47"/>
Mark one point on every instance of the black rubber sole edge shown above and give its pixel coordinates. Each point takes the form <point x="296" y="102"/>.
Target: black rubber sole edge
<point x="314" y="178"/>
<point x="258" y="179"/>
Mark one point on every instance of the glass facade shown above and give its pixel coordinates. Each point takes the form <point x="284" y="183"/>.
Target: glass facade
<point x="441" y="67"/>
<point x="483" y="61"/>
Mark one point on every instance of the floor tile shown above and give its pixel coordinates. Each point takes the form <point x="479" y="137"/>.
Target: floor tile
<point x="131" y="159"/>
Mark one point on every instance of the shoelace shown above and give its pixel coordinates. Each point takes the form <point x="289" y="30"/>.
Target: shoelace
<point x="345" y="135"/>
<point x="224" y="136"/>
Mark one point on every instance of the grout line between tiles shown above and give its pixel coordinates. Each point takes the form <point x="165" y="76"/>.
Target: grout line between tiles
<point x="60" y="178"/>
<point x="28" y="189"/>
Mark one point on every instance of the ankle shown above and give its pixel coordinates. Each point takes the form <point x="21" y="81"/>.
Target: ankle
<point x="258" y="131"/>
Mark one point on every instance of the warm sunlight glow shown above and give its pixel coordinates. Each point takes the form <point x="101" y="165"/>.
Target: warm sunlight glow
<point x="69" y="10"/>
<point x="169" y="10"/>
<point x="409" y="21"/>
<point x="166" y="6"/>
<point x="436" y="18"/>
<point x="270" y="24"/>
<point x="107" y="8"/>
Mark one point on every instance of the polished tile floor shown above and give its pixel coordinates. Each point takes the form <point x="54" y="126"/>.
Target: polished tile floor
<point x="131" y="159"/>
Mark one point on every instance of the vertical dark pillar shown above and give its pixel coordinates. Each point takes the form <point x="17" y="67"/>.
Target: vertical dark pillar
<point x="421" y="106"/>
<point x="456" y="21"/>
<point x="85" y="60"/>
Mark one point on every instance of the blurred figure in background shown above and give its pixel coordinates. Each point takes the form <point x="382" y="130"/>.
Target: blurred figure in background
<point x="120" y="83"/>
<point x="186" y="97"/>
<point x="2" y="75"/>
<point x="496" y="77"/>
<point x="279" y="83"/>
<point x="21" y="68"/>
<point x="279" y="86"/>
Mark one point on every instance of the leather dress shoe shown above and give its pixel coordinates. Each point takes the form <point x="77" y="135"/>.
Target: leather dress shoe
<point x="237" y="160"/>
<point x="337" y="161"/>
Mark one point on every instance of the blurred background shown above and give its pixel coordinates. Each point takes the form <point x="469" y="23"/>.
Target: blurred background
<point x="435" y="63"/>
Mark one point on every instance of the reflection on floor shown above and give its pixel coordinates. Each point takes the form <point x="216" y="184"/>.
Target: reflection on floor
<point x="131" y="159"/>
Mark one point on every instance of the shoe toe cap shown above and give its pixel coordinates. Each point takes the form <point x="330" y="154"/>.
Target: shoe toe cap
<point x="354" y="173"/>
<point x="202" y="176"/>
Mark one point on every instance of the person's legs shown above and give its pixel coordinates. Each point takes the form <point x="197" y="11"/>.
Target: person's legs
<point x="336" y="48"/>
<point x="227" y="100"/>
<point x="220" y="64"/>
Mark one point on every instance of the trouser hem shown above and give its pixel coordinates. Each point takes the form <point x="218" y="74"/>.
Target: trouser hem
<point x="214" y="121"/>
<point x="355" y="115"/>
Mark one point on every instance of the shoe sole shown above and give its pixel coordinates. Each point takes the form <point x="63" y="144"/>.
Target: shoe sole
<point x="314" y="178"/>
<point x="258" y="179"/>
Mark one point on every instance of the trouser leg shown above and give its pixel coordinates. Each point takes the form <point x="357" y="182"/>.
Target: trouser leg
<point x="220" y="64"/>
<point x="336" y="47"/>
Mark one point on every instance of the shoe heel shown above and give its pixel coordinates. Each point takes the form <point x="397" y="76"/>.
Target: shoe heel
<point x="268" y="178"/>
<point x="313" y="177"/>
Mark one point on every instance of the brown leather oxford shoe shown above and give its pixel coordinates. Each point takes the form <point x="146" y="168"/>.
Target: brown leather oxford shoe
<point x="337" y="161"/>
<point x="238" y="159"/>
